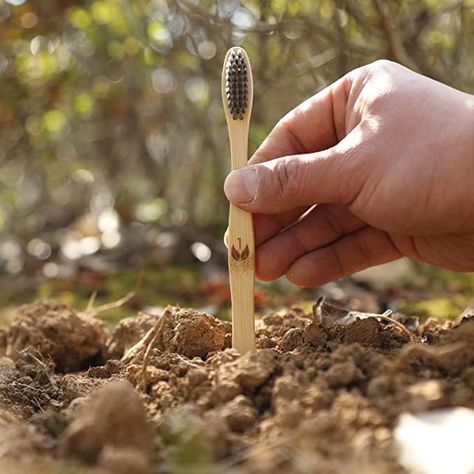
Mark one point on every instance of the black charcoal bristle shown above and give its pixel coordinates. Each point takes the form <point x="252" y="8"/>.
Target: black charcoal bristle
<point x="236" y="85"/>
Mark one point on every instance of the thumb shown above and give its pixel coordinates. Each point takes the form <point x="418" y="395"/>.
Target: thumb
<point x="282" y="184"/>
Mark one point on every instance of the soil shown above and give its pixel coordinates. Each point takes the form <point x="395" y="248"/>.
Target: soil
<point x="167" y="394"/>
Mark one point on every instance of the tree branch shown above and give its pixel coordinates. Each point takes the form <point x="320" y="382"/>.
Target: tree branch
<point x="397" y="50"/>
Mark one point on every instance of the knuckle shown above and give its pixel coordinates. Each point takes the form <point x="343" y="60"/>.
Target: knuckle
<point x="337" y="262"/>
<point x="333" y="224"/>
<point x="286" y="128"/>
<point x="296" y="279"/>
<point x="283" y="121"/>
<point x="383" y="75"/>
<point x="287" y="179"/>
<point x="383" y="65"/>
<point x="365" y="252"/>
<point x="287" y="119"/>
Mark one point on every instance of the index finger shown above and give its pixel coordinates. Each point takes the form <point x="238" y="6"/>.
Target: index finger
<point x="316" y="124"/>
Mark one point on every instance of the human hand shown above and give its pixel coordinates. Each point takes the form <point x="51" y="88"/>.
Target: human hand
<point x="377" y="166"/>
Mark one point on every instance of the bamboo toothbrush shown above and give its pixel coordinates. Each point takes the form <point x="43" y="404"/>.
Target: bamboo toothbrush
<point x="237" y="95"/>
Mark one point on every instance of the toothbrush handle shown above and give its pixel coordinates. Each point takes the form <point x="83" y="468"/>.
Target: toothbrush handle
<point x="241" y="258"/>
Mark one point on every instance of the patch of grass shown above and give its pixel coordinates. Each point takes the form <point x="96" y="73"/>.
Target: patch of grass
<point x="439" y="293"/>
<point x="440" y="280"/>
<point x="443" y="307"/>
<point x="158" y="288"/>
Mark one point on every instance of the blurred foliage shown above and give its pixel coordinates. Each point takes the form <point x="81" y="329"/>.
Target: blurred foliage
<point x="155" y="288"/>
<point x="440" y="307"/>
<point x="111" y="116"/>
<point x="113" y="144"/>
<point x="435" y="292"/>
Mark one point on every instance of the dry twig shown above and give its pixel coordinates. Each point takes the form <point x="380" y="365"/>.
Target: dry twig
<point x="397" y="50"/>
<point x="93" y="312"/>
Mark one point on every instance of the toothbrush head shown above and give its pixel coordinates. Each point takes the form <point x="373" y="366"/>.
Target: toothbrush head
<point x="237" y="83"/>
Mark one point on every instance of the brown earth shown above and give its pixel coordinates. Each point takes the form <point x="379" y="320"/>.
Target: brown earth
<point x="167" y="395"/>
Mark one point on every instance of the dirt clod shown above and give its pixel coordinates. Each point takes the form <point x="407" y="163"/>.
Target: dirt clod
<point x="19" y="440"/>
<point x="127" y="333"/>
<point x="315" y="335"/>
<point x="56" y="331"/>
<point x="363" y="331"/>
<point x="191" y="333"/>
<point x="343" y="373"/>
<point x="292" y="339"/>
<point x="252" y="370"/>
<point x="113" y="420"/>
<point x="330" y="390"/>
<point x="239" y="414"/>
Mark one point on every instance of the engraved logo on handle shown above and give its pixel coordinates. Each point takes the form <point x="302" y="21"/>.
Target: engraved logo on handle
<point x="240" y="255"/>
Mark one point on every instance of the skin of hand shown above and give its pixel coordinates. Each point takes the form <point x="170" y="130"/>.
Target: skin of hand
<point x="377" y="166"/>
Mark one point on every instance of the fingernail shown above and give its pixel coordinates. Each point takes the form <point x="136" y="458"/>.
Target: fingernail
<point x="226" y="238"/>
<point x="240" y="186"/>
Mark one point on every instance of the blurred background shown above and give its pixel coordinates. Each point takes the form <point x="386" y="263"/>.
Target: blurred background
<point x="113" y="144"/>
